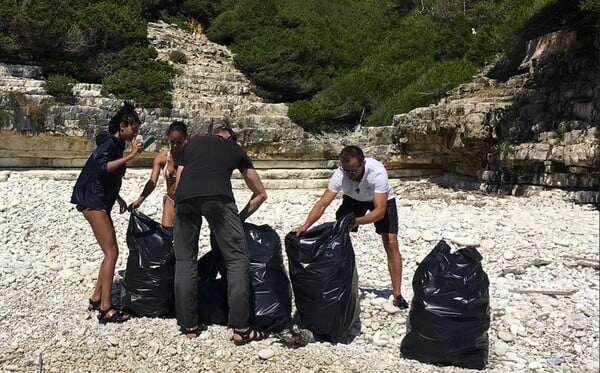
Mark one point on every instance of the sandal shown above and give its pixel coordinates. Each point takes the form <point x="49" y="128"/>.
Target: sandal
<point x="94" y="305"/>
<point x="193" y="332"/>
<point x="249" y="335"/>
<point x="115" y="317"/>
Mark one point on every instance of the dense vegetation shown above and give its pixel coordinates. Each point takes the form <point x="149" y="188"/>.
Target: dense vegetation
<point x="344" y="62"/>
<point x="338" y="63"/>
<point x="87" y="41"/>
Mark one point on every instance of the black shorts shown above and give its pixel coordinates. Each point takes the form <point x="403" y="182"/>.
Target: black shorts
<point x="387" y="224"/>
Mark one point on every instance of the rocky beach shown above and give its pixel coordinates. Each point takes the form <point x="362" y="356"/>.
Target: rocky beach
<point x="541" y="253"/>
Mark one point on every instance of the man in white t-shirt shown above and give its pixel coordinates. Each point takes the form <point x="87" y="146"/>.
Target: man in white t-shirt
<point x="368" y="194"/>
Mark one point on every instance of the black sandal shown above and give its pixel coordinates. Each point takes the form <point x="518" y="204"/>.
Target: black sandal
<point x="94" y="305"/>
<point x="249" y="335"/>
<point x="116" y="317"/>
<point x="194" y="332"/>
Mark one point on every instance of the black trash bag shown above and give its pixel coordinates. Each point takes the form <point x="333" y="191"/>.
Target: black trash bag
<point x="148" y="285"/>
<point x="324" y="278"/>
<point x="270" y="290"/>
<point x="212" y="301"/>
<point x="208" y="264"/>
<point x="449" y="318"/>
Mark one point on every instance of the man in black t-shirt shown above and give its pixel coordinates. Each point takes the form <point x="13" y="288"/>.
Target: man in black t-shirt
<point x="204" y="191"/>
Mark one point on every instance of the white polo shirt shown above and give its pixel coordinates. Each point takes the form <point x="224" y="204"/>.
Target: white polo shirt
<point x="375" y="180"/>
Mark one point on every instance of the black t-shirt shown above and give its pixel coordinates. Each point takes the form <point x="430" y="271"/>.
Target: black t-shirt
<point x="208" y="162"/>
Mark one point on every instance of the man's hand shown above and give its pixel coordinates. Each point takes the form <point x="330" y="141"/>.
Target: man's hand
<point x="300" y="229"/>
<point x="259" y="195"/>
<point x="353" y="224"/>
<point x="317" y="211"/>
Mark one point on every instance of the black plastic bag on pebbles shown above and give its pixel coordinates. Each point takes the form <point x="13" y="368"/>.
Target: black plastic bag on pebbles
<point x="449" y="316"/>
<point x="148" y="285"/>
<point x="324" y="278"/>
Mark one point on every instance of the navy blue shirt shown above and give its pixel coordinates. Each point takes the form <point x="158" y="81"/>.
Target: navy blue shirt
<point x="208" y="163"/>
<point x="96" y="187"/>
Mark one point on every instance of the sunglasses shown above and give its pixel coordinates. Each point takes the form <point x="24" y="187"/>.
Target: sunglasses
<point x="351" y="172"/>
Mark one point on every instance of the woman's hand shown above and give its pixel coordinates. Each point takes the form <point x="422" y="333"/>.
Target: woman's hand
<point x="136" y="148"/>
<point x="135" y="204"/>
<point x="122" y="205"/>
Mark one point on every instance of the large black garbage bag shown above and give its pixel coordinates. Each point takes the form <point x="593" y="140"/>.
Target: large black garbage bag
<point x="212" y="301"/>
<point x="148" y="288"/>
<point x="270" y="290"/>
<point x="209" y="264"/>
<point x="324" y="278"/>
<point x="449" y="318"/>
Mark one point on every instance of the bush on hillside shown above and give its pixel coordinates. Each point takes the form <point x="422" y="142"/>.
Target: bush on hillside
<point x="149" y="88"/>
<point x="178" y="56"/>
<point x="60" y="86"/>
<point x="430" y="87"/>
<point x="87" y="41"/>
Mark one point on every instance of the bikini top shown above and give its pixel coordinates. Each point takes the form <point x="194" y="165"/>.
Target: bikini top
<point x="165" y="169"/>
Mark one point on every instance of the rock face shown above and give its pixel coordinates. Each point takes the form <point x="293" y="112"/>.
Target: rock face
<point x="539" y="127"/>
<point x="208" y="92"/>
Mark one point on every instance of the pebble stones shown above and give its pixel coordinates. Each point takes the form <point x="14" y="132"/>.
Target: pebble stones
<point x="48" y="275"/>
<point x="390" y="308"/>
<point x="266" y="353"/>
<point x="506" y="337"/>
<point x="500" y="348"/>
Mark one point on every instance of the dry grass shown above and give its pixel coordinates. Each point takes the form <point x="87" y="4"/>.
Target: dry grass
<point x="195" y="26"/>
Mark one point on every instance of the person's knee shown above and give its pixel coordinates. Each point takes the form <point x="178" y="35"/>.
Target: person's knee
<point x="390" y="240"/>
<point x="112" y="254"/>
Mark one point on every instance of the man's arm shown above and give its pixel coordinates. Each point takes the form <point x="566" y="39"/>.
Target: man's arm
<point x="259" y="195"/>
<point x="380" y="203"/>
<point x="317" y="211"/>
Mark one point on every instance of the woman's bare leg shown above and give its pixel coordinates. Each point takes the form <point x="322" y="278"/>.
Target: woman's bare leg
<point x="104" y="231"/>
<point x="168" y="215"/>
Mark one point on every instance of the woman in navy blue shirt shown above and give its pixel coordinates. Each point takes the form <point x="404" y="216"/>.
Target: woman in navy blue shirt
<point x="95" y="193"/>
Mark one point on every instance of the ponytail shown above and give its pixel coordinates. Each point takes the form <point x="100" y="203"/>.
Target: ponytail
<point x="126" y="114"/>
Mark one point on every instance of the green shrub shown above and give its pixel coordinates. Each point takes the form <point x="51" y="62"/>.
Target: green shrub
<point x="60" y="86"/>
<point x="150" y="88"/>
<point x="591" y="5"/>
<point x="431" y="86"/>
<point x="178" y="56"/>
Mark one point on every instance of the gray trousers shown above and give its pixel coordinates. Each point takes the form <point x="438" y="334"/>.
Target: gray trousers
<point x="225" y="223"/>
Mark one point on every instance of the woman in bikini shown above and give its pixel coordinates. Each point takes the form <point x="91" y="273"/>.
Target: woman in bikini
<point x="165" y="164"/>
<point x="96" y="191"/>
